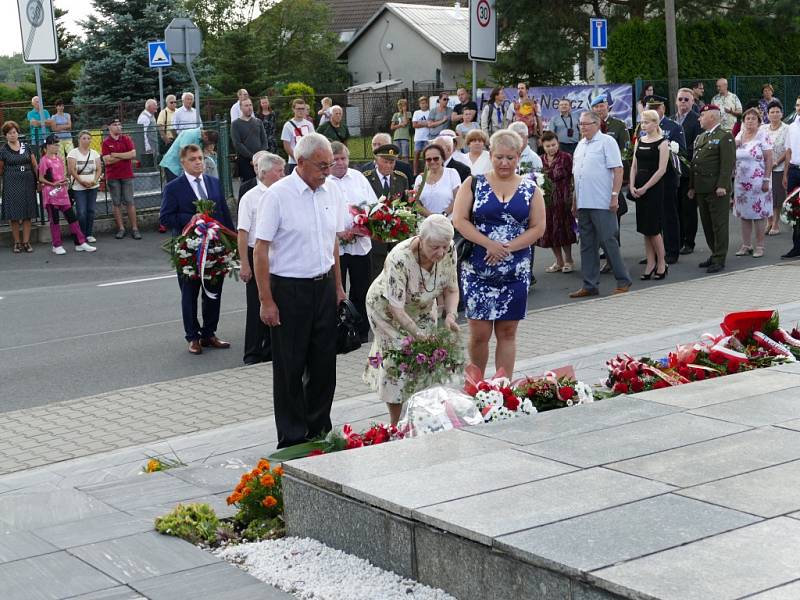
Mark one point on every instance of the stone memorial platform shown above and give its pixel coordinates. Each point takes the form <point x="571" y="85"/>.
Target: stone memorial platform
<point x="683" y="493"/>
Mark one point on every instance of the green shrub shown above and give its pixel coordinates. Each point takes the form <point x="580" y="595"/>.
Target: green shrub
<point x="298" y="89"/>
<point x="194" y="523"/>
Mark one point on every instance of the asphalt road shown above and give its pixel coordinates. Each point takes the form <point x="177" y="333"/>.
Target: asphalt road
<point x="66" y="333"/>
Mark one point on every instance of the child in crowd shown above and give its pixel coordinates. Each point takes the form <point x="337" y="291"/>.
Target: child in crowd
<point x="324" y="113"/>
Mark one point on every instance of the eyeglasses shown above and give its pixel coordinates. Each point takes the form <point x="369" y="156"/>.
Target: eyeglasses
<point x="433" y="159"/>
<point x="684" y="99"/>
<point x="586" y="123"/>
<point x="172" y="102"/>
<point x="444" y="99"/>
<point x="324" y="166"/>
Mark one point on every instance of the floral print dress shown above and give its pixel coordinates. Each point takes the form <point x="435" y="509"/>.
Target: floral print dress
<point x="750" y="201"/>
<point x="498" y="292"/>
<point x="403" y="284"/>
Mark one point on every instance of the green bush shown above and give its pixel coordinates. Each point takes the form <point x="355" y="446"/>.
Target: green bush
<point x="298" y="89"/>
<point x="194" y="523"/>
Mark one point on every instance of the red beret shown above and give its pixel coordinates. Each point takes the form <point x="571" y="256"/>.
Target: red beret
<point x="709" y="107"/>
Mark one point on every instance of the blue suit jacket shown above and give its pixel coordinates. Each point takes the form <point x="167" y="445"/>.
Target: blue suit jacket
<point x="674" y="133"/>
<point x="177" y="203"/>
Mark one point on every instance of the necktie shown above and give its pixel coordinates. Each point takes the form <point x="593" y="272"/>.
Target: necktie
<point x="603" y="127"/>
<point x="200" y="189"/>
<point x="499" y="117"/>
<point x="386" y="186"/>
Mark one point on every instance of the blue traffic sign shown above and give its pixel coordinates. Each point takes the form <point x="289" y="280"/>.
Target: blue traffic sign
<point x="598" y="34"/>
<point x="158" y="54"/>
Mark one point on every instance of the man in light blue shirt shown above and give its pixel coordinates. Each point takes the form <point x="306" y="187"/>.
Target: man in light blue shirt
<point x="171" y="162"/>
<point x="597" y="170"/>
<point x="36" y="116"/>
<point x="565" y="126"/>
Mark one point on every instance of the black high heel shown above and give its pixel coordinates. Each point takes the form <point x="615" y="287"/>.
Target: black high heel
<point x="645" y="276"/>
<point x="660" y="276"/>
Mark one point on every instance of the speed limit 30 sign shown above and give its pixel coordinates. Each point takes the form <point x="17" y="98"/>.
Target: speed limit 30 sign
<point x="482" y="30"/>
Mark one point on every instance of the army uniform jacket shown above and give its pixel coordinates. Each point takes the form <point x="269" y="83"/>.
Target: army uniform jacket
<point x="398" y="182"/>
<point x="713" y="161"/>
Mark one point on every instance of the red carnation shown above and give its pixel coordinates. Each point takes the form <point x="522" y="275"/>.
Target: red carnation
<point x="316" y="452"/>
<point x="684" y="371"/>
<point x="699" y="374"/>
<point x="660" y="384"/>
<point x="511" y="402"/>
<point x="566" y="393"/>
<point x="637" y="385"/>
<point x="620" y="388"/>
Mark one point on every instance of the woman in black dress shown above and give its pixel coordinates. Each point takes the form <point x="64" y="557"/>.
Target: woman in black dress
<point x="268" y="118"/>
<point x="17" y="168"/>
<point x="647" y="172"/>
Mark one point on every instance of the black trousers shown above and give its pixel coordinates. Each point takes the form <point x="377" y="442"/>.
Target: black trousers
<point x="793" y="182"/>
<point x="356" y="270"/>
<point x="190" y="288"/>
<point x="688" y="214"/>
<point x="303" y="357"/>
<point x="257" y="346"/>
<point x="245" y="168"/>
<point x="670" y="221"/>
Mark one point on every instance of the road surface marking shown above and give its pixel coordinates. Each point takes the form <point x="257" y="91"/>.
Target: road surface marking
<point x="136" y="280"/>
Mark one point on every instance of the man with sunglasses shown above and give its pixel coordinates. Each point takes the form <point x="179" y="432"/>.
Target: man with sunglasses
<point x="688" y="119"/>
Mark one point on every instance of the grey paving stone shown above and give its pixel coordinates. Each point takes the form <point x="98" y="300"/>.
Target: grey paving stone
<point x="610" y="536"/>
<point x="449" y="480"/>
<point x="115" y="593"/>
<point x="785" y="592"/>
<point x="331" y="471"/>
<point x="220" y="581"/>
<point x="768" y="492"/>
<point x="33" y="477"/>
<point x="93" y="529"/>
<point x="765" y="409"/>
<point x="714" y="459"/>
<point x="214" y="476"/>
<point x="215" y="501"/>
<point x="727" y="566"/>
<point x="144" y="490"/>
<point x="50" y="577"/>
<point x="723" y="389"/>
<point x="793" y="424"/>
<point x="574" y="420"/>
<point x="22" y="544"/>
<point x="633" y="439"/>
<point x="142" y="556"/>
<point x="31" y="510"/>
<point x="538" y="503"/>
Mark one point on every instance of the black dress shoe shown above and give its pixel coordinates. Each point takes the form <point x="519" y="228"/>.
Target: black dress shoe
<point x="715" y="268"/>
<point x="686" y="250"/>
<point x="706" y="263"/>
<point x="791" y="254"/>
<point x="671" y="260"/>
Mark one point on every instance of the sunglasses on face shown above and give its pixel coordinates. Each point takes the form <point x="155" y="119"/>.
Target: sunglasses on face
<point x="444" y="99"/>
<point x="684" y="99"/>
<point x="433" y="159"/>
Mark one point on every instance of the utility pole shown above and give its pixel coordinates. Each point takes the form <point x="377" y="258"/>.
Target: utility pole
<point x="672" y="51"/>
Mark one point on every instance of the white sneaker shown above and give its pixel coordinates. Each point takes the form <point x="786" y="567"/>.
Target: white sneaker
<point x="84" y="247"/>
<point x="58" y="250"/>
<point x="91" y="239"/>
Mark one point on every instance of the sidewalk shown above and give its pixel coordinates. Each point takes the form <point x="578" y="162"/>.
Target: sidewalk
<point x="82" y="528"/>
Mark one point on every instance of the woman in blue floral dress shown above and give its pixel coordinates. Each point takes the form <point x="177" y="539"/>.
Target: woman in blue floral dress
<point x="503" y="217"/>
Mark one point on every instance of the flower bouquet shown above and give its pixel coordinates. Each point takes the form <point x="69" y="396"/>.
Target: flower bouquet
<point x="438" y="409"/>
<point x="340" y="439"/>
<point x="544" y="183"/>
<point x="392" y="219"/>
<point x="420" y="363"/>
<point x="790" y="211"/>
<point x="497" y="400"/>
<point x="206" y="249"/>
<point x="556" y="389"/>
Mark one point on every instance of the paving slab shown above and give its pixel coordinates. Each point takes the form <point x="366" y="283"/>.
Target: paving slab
<point x="633" y="439"/>
<point x="784" y="592"/>
<point x="221" y="581"/>
<point x="765" y="409"/>
<point x="215" y="501"/>
<point x="93" y="529"/>
<point x="718" y="458"/>
<point x="115" y="593"/>
<point x="50" y="577"/>
<point x="537" y="503"/>
<point x="143" y="556"/>
<point x="22" y="544"/>
<point x="768" y="492"/>
<point x="146" y="489"/>
<point x="577" y="419"/>
<point x="449" y="480"/>
<point x="632" y="530"/>
<point x="31" y="510"/>
<point x="331" y="471"/>
<point x="724" y="389"/>
<point x="216" y="476"/>
<point x="728" y="566"/>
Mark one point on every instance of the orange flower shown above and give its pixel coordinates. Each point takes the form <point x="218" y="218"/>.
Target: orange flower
<point x="234" y="498"/>
<point x="278" y="471"/>
<point x="255" y="472"/>
<point x="269" y="501"/>
<point x="246" y="477"/>
<point x="268" y="480"/>
<point x="246" y="492"/>
<point x="153" y="465"/>
<point x="263" y="464"/>
<point x="239" y="487"/>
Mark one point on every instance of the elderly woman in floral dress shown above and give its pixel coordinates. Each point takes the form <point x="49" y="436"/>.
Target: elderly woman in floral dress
<point x="751" y="188"/>
<point x="402" y="300"/>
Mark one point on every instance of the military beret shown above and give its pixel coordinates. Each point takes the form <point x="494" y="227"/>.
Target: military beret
<point x="707" y="107"/>
<point x="388" y="151"/>
<point x="599" y="100"/>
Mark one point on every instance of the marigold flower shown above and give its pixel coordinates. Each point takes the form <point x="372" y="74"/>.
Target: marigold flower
<point x="234" y="498"/>
<point x="153" y="465"/>
<point x="255" y="472"/>
<point x="278" y="471"/>
<point x="263" y="464"/>
<point x="269" y="501"/>
<point x="246" y="492"/>
<point x="267" y="481"/>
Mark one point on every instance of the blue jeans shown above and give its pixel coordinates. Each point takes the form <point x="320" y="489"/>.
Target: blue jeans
<point x="85" y="204"/>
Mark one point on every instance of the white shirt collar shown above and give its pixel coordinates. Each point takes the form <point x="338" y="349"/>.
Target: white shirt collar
<point x="301" y="186"/>
<point x="713" y="128"/>
<point x="261" y="186"/>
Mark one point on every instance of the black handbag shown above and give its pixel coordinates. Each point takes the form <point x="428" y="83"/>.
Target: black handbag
<point x="348" y="338"/>
<point x="464" y="247"/>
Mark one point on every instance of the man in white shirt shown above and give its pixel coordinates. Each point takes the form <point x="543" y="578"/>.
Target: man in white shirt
<point x="296" y="259"/>
<point x="729" y="104"/>
<point x="419" y="122"/>
<point x="294" y="130"/>
<point x="354" y="250"/>
<point x="186" y="117"/>
<point x="147" y="120"/>
<point x="269" y="169"/>
<point x="597" y="170"/>
<point x="236" y="109"/>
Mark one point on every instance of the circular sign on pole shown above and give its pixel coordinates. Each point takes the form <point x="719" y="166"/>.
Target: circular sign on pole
<point x="484" y="13"/>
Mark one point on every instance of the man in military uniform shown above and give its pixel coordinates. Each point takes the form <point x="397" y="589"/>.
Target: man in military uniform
<point x="710" y="183"/>
<point x="385" y="181"/>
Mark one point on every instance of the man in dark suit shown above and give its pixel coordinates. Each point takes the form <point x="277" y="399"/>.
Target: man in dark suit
<point x="448" y="143"/>
<point x="177" y="209"/>
<point x="689" y="120"/>
<point x="670" y="222"/>
<point x="385" y="181"/>
<point x="380" y="140"/>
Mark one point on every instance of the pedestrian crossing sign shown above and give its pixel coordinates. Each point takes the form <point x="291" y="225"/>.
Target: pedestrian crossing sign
<point x="158" y="54"/>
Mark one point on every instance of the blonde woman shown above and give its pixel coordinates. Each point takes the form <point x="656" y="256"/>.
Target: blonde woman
<point x="649" y="165"/>
<point x="401" y="128"/>
<point x="479" y="159"/>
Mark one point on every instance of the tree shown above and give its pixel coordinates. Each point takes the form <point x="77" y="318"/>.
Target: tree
<point x="114" y="52"/>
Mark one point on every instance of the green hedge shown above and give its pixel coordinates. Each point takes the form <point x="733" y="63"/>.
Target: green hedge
<point x="705" y="48"/>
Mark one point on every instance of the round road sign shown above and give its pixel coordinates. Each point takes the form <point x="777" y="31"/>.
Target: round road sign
<point x="484" y="13"/>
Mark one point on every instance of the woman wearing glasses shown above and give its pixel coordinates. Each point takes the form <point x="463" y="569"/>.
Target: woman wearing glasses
<point x="441" y="183"/>
<point x="439" y="116"/>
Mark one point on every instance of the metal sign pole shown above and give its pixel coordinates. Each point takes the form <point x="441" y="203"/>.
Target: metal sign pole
<point x="37" y="69"/>
<point x="161" y="87"/>
<point x="191" y="74"/>
<point x="475" y="83"/>
<point x="596" y="68"/>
